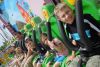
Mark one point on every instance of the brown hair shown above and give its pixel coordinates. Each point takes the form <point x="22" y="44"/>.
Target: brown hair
<point x="19" y="33"/>
<point x="43" y="34"/>
<point x="28" y="39"/>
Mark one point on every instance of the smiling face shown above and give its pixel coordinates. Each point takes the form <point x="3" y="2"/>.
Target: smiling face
<point x="12" y="49"/>
<point x="44" y="39"/>
<point x="64" y="13"/>
<point x="19" y="36"/>
<point x="29" y="44"/>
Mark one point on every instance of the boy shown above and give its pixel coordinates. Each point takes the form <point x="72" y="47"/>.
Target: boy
<point x="41" y="51"/>
<point x="65" y="14"/>
<point x="20" y="41"/>
<point x="58" y="47"/>
<point x="19" y="56"/>
<point x="33" y="50"/>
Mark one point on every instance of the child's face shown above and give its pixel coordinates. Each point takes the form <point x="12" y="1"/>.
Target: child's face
<point x="29" y="44"/>
<point x="44" y="39"/>
<point x="66" y="15"/>
<point x="12" y="49"/>
<point x="18" y="36"/>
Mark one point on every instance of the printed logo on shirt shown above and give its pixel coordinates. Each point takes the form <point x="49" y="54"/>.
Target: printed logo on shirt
<point x="76" y="36"/>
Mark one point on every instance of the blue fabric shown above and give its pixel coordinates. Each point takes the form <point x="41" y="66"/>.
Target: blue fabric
<point x="76" y="36"/>
<point x="59" y="58"/>
<point x="88" y="33"/>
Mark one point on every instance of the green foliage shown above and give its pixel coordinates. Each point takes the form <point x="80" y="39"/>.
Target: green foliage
<point x="1" y="1"/>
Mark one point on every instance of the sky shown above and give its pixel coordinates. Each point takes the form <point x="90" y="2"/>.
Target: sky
<point x="14" y="15"/>
<point x="36" y="6"/>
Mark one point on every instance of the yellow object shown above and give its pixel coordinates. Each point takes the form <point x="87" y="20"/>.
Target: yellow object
<point x="72" y="2"/>
<point x="33" y="23"/>
<point x="7" y="59"/>
<point x="45" y="14"/>
<point x="2" y="60"/>
<point x="25" y="29"/>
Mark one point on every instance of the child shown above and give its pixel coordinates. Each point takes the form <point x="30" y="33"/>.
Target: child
<point x="65" y="14"/>
<point x="27" y="62"/>
<point x="20" y="41"/>
<point x="19" y="56"/>
<point x="41" y="52"/>
<point x="59" y="48"/>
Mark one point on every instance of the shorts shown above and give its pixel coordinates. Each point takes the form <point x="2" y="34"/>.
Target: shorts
<point x="59" y="58"/>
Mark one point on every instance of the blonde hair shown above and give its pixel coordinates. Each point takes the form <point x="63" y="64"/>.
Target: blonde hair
<point x="59" y="7"/>
<point x="16" y="50"/>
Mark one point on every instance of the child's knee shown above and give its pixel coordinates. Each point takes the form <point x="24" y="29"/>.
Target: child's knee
<point x="34" y="64"/>
<point x="48" y="64"/>
<point x="38" y="65"/>
<point x="57" y="64"/>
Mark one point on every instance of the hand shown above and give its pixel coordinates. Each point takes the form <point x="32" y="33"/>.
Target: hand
<point x="17" y="62"/>
<point x="47" y="54"/>
<point x="29" y="50"/>
<point x="74" y="42"/>
<point x="70" y="58"/>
